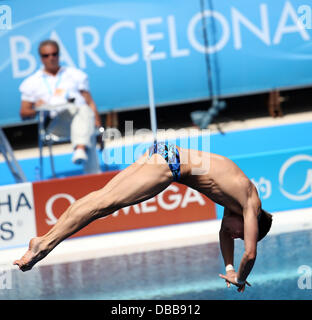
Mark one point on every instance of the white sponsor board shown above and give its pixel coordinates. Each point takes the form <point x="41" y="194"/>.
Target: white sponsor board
<point x="17" y="215"/>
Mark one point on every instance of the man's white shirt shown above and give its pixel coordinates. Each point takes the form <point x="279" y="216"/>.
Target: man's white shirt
<point x="55" y="90"/>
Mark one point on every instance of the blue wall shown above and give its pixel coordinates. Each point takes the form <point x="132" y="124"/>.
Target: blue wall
<point x="277" y="159"/>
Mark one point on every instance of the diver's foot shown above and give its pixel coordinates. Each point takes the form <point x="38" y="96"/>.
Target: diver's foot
<point x="32" y="255"/>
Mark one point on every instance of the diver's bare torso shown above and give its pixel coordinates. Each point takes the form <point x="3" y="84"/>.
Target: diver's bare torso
<point x="217" y="177"/>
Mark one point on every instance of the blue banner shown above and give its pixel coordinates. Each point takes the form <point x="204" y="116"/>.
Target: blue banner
<point x="279" y="163"/>
<point x="284" y="179"/>
<point x="245" y="46"/>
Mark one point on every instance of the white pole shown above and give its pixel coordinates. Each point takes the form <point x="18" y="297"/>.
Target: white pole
<point x="148" y="51"/>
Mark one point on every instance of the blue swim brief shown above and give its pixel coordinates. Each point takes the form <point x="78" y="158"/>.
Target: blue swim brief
<point x="171" y="154"/>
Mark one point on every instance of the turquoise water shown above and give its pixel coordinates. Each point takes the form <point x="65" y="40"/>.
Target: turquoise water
<point x="181" y="273"/>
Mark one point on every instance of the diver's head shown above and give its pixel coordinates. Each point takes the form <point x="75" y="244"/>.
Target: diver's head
<point x="233" y="224"/>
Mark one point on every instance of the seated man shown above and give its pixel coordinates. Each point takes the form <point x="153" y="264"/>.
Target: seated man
<point x="215" y="176"/>
<point x="74" y="113"/>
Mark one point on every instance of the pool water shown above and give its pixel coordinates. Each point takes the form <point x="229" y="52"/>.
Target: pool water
<point x="174" y="274"/>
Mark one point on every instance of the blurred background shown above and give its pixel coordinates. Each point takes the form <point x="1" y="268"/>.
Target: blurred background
<point x="238" y="52"/>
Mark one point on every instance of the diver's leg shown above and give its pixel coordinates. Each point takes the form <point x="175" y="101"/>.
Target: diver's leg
<point x="139" y="183"/>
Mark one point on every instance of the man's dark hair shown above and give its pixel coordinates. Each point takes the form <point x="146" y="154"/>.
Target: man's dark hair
<point x="264" y="224"/>
<point x="48" y="42"/>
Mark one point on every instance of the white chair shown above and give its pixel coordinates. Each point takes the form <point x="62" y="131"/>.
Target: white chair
<point x="46" y="138"/>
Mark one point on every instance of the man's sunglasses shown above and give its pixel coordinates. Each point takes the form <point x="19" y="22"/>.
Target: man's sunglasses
<point x="54" y="54"/>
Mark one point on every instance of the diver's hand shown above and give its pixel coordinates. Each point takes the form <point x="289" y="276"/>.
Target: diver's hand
<point x="230" y="278"/>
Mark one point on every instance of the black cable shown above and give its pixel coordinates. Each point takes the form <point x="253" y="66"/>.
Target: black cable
<point x="207" y="55"/>
<point x="200" y="118"/>
<point x="216" y="61"/>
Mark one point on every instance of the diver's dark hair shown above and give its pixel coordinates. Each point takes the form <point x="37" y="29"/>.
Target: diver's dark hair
<point x="48" y="42"/>
<point x="264" y="224"/>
